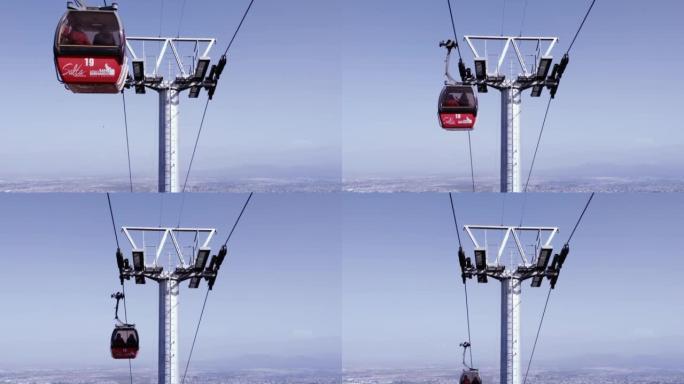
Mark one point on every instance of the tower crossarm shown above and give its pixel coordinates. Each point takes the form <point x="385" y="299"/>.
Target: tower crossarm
<point x="537" y="73"/>
<point x="198" y="266"/>
<point x="191" y="72"/>
<point x="535" y="265"/>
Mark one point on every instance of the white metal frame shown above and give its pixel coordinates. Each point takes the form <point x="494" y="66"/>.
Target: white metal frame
<point x="511" y="280"/>
<point x="512" y="41"/>
<point x="169" y="234"/>
<point x="511" y="100"/>
<point x="513" y="231"/>
<point x="168" y="292"/>
<point x="169" y="99"/>
<point x="169" y="42"/>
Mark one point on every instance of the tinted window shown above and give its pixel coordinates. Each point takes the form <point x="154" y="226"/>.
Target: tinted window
<point x="90" y="28"/>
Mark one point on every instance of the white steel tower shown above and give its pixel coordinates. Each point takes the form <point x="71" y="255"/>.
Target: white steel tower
<point x="536" y="74"/>
<point x="193" y="74"/>
<point x="192" y="265"/>
<point x="532" y="265"/>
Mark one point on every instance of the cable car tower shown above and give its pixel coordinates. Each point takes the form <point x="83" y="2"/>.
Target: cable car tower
<point x="536" y="74"/>
<point x="532" y="264"/>
<point x="192" y="265"/>
<point x="90" y="57"/>
<point x="193" y="75"/>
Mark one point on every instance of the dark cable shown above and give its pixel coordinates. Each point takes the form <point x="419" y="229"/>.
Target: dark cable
<point x="238" y="218"/>
<point x="534" y="347"/>
<point x="123" y="287"/>
<point x="465" y="288"/>
<point x="192" y="159"/>
<point x="580" y="27"/>
<point x="453" y="212"/>
<point x="128" y="147"/>
<point x="503" y="16"/>
<point x="470" y="148"/>
<point x="194" y="149"/>
<point x="207" y="103"/>
<point x="472" y="171"/>
<point x="111" y="213"/>
<point x="192" y="348"/>
<point x="180" y="21"/>
<point x="161" y="16"/>
<point x="194" y="339"/>
<point x="549" y="294"/>
<point x="458" y="233"/>
<point x="522" y="22"/>
<point x="580" y="218"/>
<point x="534" y="157"/>
<point x="123" y="290"/>
<point x="238" y="28"/>
<point x="524" y="205"/>
<point x="453" y="26"/>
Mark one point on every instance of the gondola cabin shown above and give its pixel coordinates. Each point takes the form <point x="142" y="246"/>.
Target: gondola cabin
<point x="89" y="50"/>
<point x="470" y="376"/>
<point x="125" y="342"/>
<point x="457" y="107"/>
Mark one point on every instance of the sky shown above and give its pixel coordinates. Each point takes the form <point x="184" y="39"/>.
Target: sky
<point x="275" y="113"/>
<point x="363" y="280"/>
<point x="276" y="301"/>
<point x="616" y="112"/>
<point x="356" y="84"/>
<point x="617" y="301"/>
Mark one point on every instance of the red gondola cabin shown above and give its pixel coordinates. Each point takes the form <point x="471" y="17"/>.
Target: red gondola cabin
<point x="125" y="342"/>
<point x="471" y="376"/>
<point x="90" y="50"/>
<point x="457" y="107"/>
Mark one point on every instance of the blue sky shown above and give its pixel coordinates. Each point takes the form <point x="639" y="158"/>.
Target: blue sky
<point x="616" y="112"/>
<point x="278" y="293"/>
<point x="375" y="275"/>
<point x="617" y="299"/>
<point x="275" y="113"/>
<point x="356" y="84"/>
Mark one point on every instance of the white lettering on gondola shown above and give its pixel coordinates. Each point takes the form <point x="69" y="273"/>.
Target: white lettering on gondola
<point x="106" y="71"/>
<point x="73" y="70"/>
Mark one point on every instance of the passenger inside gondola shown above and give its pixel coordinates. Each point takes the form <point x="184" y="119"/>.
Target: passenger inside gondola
<point x="451" y="101"/>
<point x="74" y="36"/>
<point x="118" y="342"/>
<point x="104" y="38"/>
<point x="91" y="29"/>
<point x="131" y="341"/>
<point x="457" y="99"/>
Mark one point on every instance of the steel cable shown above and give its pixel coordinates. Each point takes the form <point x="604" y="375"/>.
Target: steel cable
<point x="453" y="26"/>
<point x="465" y="287"/>
<point x="180" y="21"/>
<point x="206" y="105"/>
<point x="128" y="147"/>
<point x="239" y="26"/>
<point x="470" y="146"/>
<point x="580" y="218"/>
<point x="534" y="347"/>
<point x="194" y="339"/>
<point x="206" y="296"/>
<point x="123" y="287"/>
<point x="536" y="148"/>
<point x="580" y="27"/>
<point x="238" y="218"/>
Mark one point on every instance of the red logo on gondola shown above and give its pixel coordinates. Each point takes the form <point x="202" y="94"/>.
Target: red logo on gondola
<point x="88" y="70"/>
